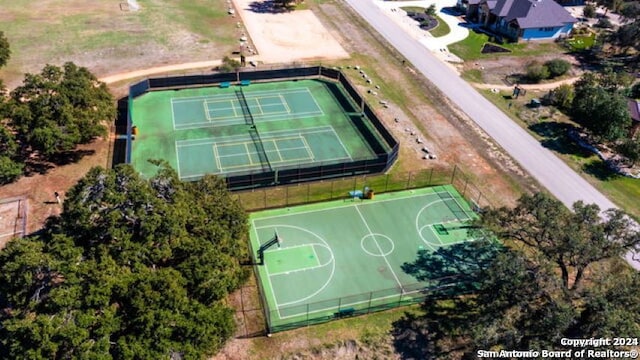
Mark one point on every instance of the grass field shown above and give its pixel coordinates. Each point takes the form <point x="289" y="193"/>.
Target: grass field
<point x="347" y="257"/>
<point x="102" y="37"/>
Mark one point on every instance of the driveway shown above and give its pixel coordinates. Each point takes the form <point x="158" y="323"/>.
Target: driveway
<point x="541" y="163"/>
<point x="412" y="28"/>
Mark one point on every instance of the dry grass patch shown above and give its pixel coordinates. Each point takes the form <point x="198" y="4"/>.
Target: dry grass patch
<point x="105" y="39"/>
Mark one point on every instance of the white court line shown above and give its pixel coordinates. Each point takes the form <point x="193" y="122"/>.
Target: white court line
<point x="314" y="100"/>
<point x="217" y="157"/>
<point x="250" y="94"/>
<point x="306" y="145"/>
<point x="246" y="147"/>
<point x="173" y="115"/>
<point x="350" y="304"/>
<point x="360" y="204"/>
<point x="206" y="110"/>
<point x="275" y="144"/>
<point x="317" y="266"/>
<point x="262" y="118"/>
<point x="284" y="102"/>
<point x="341" y="143"/>
<point x="379" y="248"/>
<point x="259" y="107"/>
<point x="177" y="159"/>
<point x="461" y="207"/>
<point x="268" y="135"/>
<point x="332" y="260"/>
<point x="266" y="269"/>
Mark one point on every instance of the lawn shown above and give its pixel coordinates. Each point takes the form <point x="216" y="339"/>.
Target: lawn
<point x="442" y="29"/>
<point x="103" y="37"/>
<point x="581" y="42"/>
<point x="471" y="47"/>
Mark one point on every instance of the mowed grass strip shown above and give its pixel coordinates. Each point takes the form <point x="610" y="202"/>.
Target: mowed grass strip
<point x="106" y="39"/>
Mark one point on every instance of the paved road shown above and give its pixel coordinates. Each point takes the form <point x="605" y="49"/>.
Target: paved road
<point x="541" y="163"/>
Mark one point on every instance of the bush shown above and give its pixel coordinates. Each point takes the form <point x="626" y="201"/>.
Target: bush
<point x="562" y="96"/>
<point x="537" y="71"/>
<point x="604" y="23"/>
<point x="431" y="10"/>
<point x="557" y="67"/>
<point x="589" y="11"/>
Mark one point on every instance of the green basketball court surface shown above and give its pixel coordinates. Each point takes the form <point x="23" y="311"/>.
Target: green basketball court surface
<point x="245" y="129"/>
<point x="346" y="256"/>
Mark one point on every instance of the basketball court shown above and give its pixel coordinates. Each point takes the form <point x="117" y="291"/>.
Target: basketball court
<point x="346" y="256"/>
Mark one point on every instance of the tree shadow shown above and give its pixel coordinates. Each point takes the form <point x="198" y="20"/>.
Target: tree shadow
<point x="556" y="137"/>
<point x="268" y="7"/>
<point x="412" y="339"/>
<point x="70" y="157"/>
<point x="449" y="273"/>
<point x="600" y="170"/>
<point x="456" y="269"/>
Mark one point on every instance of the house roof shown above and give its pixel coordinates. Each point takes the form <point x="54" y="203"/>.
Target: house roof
<point x="531" y="13"/>
<point x="634" y="109"/>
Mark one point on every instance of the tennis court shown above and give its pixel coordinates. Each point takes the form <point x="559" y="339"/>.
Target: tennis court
<point x="246" y="129"/>
<point x="346" y="257"/>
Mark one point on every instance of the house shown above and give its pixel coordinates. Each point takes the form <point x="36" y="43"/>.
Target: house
<point x="520" y="19"/>
<point x="634" y="111"/>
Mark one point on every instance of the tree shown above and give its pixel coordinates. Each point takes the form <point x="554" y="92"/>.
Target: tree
<point x="613" y="5"/>
<point x="285" y="4"/>
<point x="630" y="149"/>
<point x="431" y="10"/>
<point x="562" y="96"/>
<point x="132" y="268"/>
<point x="229" y="65"/>
<point x="589" y="11"/>
<point x="600" y="105"/>
<point x="537" y="71"/>
<point x="58" y="109"/>
<point x="10" y="167"/>
<point x="573" y="240"/>
<point x="5" y="51"/>
<point x="530" y="294"/>
<point x="557" y="67"/>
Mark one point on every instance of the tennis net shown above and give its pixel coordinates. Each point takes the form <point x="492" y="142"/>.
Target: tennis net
<point x="253" y="131"/>
<point x="248" y="118"/>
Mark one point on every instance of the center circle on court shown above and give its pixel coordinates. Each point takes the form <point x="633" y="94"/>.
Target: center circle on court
<point x="377" y="245"/>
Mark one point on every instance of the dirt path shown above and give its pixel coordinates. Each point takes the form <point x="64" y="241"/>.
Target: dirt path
<point x="110" y="79"/>
<point x="545" y="86"/>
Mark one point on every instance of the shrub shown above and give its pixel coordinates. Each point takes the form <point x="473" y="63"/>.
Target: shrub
<point x="589" y="11"/>
<point x="537" y="71"/>
<point x="562" y="96"/>
<point x="431" y="10"/>
<point x="604" y="23"/>
<point x="557" y="67"/>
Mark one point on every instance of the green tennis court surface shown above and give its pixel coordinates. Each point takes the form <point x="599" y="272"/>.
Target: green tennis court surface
<point x="245" y="129"/>
<point x="345" y="256"/>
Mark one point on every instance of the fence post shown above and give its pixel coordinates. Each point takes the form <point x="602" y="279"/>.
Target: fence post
<point x="370" y="298"/>
<point x="464" y="192"/>
<point x="453" y="175"/>
<point x="408" y="181"/>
